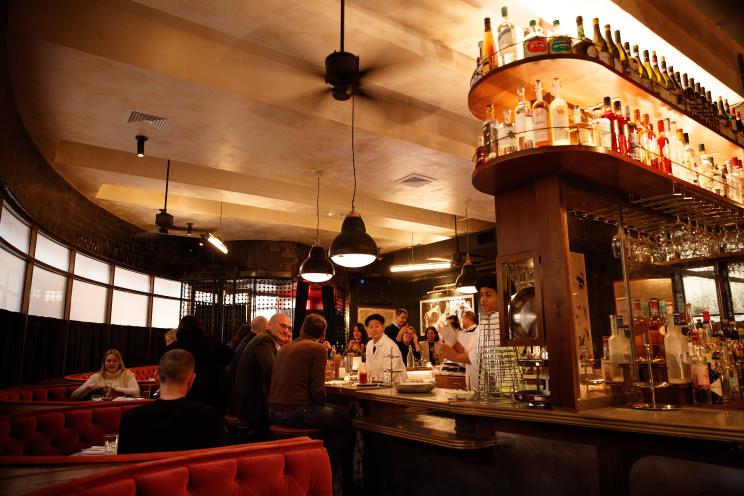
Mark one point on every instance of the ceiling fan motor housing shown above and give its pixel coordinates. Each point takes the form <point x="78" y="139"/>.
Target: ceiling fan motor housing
<point x="164" y="220"/>
<point x="342" y="72"/>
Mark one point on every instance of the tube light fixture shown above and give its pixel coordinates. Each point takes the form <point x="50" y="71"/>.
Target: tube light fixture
<point x="217" y="243"/>
<point x="140" y="145"/>
<point x="420" y="266"/>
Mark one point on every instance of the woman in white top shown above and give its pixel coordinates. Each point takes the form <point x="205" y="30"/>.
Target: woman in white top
<point x="113" y="375"/>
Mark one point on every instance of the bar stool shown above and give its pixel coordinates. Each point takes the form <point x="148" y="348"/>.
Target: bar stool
<point x="284" y="432"/>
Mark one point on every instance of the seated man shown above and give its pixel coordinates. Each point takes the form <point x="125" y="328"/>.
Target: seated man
<point x="379" y="349"/>
<point x="173" y="422"/>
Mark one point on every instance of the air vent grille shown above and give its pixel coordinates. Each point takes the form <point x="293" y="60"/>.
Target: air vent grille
<point x="415" y="180"/>
<point x="154" y="120"/>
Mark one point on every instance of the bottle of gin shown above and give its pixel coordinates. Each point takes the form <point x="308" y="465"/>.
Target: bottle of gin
<point x="523" y="122"/>
<point x="507" y="39"/>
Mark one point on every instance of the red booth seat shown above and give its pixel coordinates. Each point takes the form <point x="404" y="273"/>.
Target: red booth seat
<point x="58" y="392"/>
<point x="146" y="373"/>
<point x="60" y="431"/>
<point x="291" y="467"/>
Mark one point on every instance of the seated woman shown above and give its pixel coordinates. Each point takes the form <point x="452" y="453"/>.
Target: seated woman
<point x="358" y="342"/>
<point x="113" y="375"/>
<point x="407" y="337"/>
<point x="431" y="347"/>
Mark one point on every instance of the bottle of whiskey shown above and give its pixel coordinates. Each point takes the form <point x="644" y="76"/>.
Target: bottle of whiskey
<point x="507" y="38"/>
<point x="583" y="45"/>
<point x="488" y="52"/>
<point x="583" y="131"/>
<point x="523" y="121"/>
<point x="490" y="134"/>
<point x="559" y="116"/>
<point x="540" y="117"/>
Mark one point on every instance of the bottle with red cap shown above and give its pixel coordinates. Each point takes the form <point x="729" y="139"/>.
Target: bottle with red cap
<point x="662" y="142"/>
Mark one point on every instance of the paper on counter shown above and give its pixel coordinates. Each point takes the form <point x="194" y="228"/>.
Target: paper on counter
<point x="448" y="334"/>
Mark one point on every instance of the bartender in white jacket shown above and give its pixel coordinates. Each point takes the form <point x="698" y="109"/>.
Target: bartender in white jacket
<point x="379" y="349"/>
<point x="466" y="350"/>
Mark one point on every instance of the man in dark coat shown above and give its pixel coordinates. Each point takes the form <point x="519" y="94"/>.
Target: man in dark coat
<point x="249" y="399"/>
<point x="211" y="357"/>
<point x="401" y="319"/>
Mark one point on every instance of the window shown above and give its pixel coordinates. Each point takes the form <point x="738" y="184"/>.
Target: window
<point x="165" y="313"/>
<point x="167" y="287"/>
<point x="124" y="278"/>
<point x="129" y="309"/>
<point x="700" y="292"/>
<point x="13" y="230"/>
<point x="88" y="302"/>
<point x="52" y="253"/>
<point x="92" y="269"/>
<point x="12" y="275"/>
<point x="47" y="294"/>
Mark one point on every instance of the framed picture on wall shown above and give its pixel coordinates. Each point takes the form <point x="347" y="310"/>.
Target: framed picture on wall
<point x="364" y="312"/>
<point x="436" y="310"/>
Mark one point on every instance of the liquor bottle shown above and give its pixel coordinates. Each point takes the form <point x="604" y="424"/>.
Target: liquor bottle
<point x="733" y="179"/>
<point x="559" y="116"/>
<point x="717" y="186"/>
<point x="723" y="120"/>
<point x="583" y="45"/>
<point x="535" y="43"/>
<point x="699" y="374"/>
<point x="410" y="362"/>
<point x="732" y="117"/>
<point x="724" y="179"/>
<point x="640" y="327"/>
<point x="600" y="44"/>
<point x="507" y="136"/>
<point x="678" y="157"/>
<point x="705" y="168"/>
<point x="665" y="75"/>
<point x="655" y="323"/>
<point x="623" y="56"/>
<point x="596" y="124"/>
<point x="689" y="93"/>
<point x="488" y="53"/>
<point x="712" y="110"/>
<point x="540" y="117"/>
<point x="739" y="123"/>
<point x="490" y="134"/>
<point x="652" y="146"/>
<point x="606" y="364"/>
<point x="620" y="128"/>
<point x="609" y="139"/>
<point x="639" y="63"/>
<point x="690" y="163"/>
<point x="729" y="375"/>
<point x="655" y="67"/>
<point x="479" y="159"/>
<point x="619" y="349"/>
<point x="676" y="350"/>
<point x="699" y="102"/>
<point x="612" y="48"/>
<point x="648" y="67"/>
<point x="634" y="145"/>
<point x="641" y="136"/>
<point x="523" y="118"/>
<point x="507" y="39"/>
<point x="670" y="74"/>
<point x="583" y="131"/>
<point x="559" y="42"/>
<point x="665" y="163"/>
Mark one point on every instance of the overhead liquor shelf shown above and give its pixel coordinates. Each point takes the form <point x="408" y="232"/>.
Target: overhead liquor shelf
<point x="585" y="81"/>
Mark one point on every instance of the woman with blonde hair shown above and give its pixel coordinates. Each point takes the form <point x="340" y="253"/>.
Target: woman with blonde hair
<point x="113" y="375"/>
<point x="407" y="337"/>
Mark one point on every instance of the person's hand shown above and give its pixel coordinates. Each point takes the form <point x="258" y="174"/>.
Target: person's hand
<point x="445" y="352"/>
<point x="326" y="344"/>
<point x="96" y="386"/>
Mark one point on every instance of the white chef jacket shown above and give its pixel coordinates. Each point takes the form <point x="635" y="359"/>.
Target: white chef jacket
<point x="377" y="362"/>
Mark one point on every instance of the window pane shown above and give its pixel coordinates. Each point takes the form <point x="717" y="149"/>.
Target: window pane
<point x="165" y="313"/>
<point x="12" y="274"/>
<point x="88" y="302"/>
<point x="129" y="309"/>
<point x="52" y="253"/>
<point x="13" y="230"/>
<point x="92" y="269"/>
<point x="47" y="294"/>
<point x="124" y="278"/>
<point x="700" y="292"/>
<point x="167" y="287"/>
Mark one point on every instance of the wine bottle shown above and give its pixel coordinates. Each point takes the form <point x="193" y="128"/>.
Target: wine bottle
<point x="665" y="75"/>
<point x="600" y="44"/>
<point x="639" y="63"/>
<point x="622" y="54"/>
<point x="540" y="117"/>
<point x="583" y="45"/>
<point x="648" y="67"/>
<point x="655" y="66"/>
<point x="611" y="47"/>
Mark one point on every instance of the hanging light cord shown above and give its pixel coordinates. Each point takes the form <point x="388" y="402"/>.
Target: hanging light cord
<point x="353" y="155"/>
<point x="219" y="229"/>
<point x="467" y="229"/>
<point x="317" y="211"/>
<point x="167" y="178"/>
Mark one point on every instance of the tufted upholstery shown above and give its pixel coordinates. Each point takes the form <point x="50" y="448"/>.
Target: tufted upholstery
<point x="292" y="467"/>
<point x="60" y="431"/>
<point x="58" y="392"/>
<point x="144" y="374"/>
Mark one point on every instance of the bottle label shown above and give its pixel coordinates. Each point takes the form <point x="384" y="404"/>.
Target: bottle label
<point x="560" y="124"/>
<point x="540" y="121"/>
<point x="605" y="128"/>
<point x="560" y="44"/>
<point x="507" y="47"/>
<point x="605" y="57"/>
<point x="535" y="46"/>
<point x="700" y="376"/>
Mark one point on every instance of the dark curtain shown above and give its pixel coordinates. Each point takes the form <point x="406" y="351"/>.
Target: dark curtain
<point x="329" y="312"/>
<point x="300" y="307"/>
<point x="11" y="341"/>
<point x="44" y="349"/>
<point x="133" y="343"/>
<point x="157" y="345"/>
<point x="86" y="343"/>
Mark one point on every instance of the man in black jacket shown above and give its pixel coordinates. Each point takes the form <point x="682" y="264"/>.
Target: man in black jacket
<point x="401" y="319"/>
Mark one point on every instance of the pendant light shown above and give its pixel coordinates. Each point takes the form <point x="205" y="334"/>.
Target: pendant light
<point x="353" y="247"/>
<point x="316" y="267"/>
<point x="465" y="282"/>
<point x="215" y="240"/>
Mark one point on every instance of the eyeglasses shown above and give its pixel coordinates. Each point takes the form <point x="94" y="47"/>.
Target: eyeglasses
<point x="286" y="327"/>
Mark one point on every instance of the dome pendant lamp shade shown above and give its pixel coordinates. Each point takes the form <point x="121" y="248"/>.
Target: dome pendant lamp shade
<point x="353" y="247"/>
<point x="317" y="267"/>
<point x="465" y="282"/>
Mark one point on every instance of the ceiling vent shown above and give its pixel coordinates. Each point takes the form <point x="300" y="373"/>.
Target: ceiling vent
<point x="155" y="121"/>
<point x="415" y="180"/>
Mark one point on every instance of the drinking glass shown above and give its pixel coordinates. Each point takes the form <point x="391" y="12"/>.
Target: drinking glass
<point x="111" y="443"/>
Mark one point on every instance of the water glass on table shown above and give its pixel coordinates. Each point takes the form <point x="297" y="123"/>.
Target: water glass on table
<point x="111" y="443"/>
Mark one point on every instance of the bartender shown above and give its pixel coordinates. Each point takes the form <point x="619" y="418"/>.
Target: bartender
<point x="463" y="347"/>
<point x="379" y="349"/>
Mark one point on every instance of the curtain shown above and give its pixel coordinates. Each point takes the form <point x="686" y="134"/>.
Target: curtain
<point x="86" y="343"/>
<point x="329" y="312"/>
<point x="11" y="341"/>
<point x="300" y="307"/>
<point x="133" y="344"/>
<point x="157" y="344"/>
<point x="44" y="349"/>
